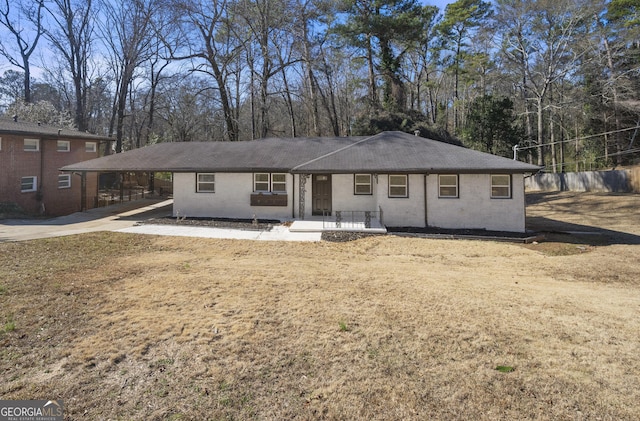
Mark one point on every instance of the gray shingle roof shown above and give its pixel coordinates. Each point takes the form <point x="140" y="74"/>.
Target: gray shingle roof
<point x="383" y="153"/>
<point x="8" y="126"/>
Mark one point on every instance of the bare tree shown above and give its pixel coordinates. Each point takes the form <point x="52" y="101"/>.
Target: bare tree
<point x="268" y="23"/>
<point x="72" y="36"/>
<point x="211" y="48"/>
<point x="544" y="44"/>
<point x="127" y="31"/>
<point x="26" y="39"/>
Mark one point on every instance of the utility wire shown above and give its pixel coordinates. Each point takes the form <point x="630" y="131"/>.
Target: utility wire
<point x="522" y="148"/>
<point x="566" y="164"/>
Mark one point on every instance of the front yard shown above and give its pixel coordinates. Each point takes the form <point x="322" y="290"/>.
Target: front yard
<point x="140" y="327"/>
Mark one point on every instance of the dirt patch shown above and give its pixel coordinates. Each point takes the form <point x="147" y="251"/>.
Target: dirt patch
<point x="140" y="327"/>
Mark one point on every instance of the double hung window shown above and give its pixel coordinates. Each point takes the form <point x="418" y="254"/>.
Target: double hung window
<point x="206" y="183"/>
<point x="266" y="182"/>
<point x="32" y="145"/>
<point x="63" y="146"/>
<point x="362" y="184"/>
<point x="500" y="186"/>
<point x="448" y="186"/>
<point x="398" y="185"/>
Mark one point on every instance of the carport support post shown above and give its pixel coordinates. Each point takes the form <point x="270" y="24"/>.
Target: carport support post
<point x="152" y="182"/>
<point x="121" y="176"/>
<point x="83" y="191"/>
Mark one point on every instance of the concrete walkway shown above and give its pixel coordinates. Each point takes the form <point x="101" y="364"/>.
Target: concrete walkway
<point x="126" y="218"/>
<point x="277" y="233"/>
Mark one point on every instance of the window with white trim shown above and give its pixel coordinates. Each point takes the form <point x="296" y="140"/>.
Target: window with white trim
<point x="362" y="184"/>
<point x="32" y="145"/>
<point x="266" y="182"/>
<point x="279" y="182"/>
<point x="398" y="185"/>
<point x="91" y="147"/>
<point x="64" y="181"/>
<point x="448" y="186"/>
<point x="28" y="184"/>
<point x="500" y="186"/>
<point x="206" y="183"/>
<point x="63" y="146"/>
<point x="261" y="182"/>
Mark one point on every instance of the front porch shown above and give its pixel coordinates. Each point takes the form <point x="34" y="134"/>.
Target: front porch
<point x="346" y="221"/>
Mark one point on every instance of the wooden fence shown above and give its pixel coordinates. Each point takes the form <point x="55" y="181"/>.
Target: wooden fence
<point x="619" y="181"/>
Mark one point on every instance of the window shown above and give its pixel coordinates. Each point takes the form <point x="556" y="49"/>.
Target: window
<point x="398" y="186"/>
<point x="206" y="183"/>
<point x="64" y="181"/>
<point x="362" y="184"/>
<point x="63" y="146"/>
<point x="28" y="184"/>
<point x="279" y="182"/>
<point x="265" y="182"/>
<point x="500" y="186"/>
<point x="90" y="147"/>
<point x="448" y="186"/>
<point x="261" y="182"/>
<point x="32" y="145"/>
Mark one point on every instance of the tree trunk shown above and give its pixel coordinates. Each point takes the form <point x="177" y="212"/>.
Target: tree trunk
<point x="540" y="132"/>
<point x="313" y="96"/>
<point x="373" y="95"/>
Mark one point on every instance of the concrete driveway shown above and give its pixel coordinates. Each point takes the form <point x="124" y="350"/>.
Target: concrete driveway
<point x="126" y="217"/>
<point x="110" y="218"/>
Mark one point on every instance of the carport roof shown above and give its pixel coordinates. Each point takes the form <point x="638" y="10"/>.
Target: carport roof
<point x="387" y="152"/>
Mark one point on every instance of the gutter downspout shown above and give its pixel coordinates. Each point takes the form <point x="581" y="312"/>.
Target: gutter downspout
<point x="39" y="193"/>
<point x="293" y="197"/>
<point x="426" y="218"/>
<point x="83" y="191"/>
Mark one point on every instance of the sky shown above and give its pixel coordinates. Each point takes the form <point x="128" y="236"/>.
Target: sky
<point x="440" y="3"/>
<point x="37" y="72"/>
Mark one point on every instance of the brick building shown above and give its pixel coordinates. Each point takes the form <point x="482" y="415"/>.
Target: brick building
<point x="30" y="157"/>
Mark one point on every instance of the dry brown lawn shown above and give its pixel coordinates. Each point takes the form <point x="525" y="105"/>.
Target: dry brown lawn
<point x="140" y="327"/>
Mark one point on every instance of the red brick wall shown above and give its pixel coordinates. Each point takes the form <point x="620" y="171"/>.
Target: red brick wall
<point x="16" y="163"/>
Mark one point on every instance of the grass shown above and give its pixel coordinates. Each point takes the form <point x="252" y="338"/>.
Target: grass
<point x="142" y="327"/>
<point x="9" y="325"/>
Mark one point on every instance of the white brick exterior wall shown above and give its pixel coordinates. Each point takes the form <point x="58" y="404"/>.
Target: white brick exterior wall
<point x="474" y="208"/>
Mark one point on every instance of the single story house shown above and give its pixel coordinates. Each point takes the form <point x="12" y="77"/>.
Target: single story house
<point x="404" y="180"/>
<point x="31" y="155"/>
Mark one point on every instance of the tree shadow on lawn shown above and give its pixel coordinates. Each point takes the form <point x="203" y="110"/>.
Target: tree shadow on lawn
<point x="566" y="232"/>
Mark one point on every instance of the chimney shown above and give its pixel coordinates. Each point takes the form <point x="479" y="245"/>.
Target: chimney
<point x="416" y="132"/>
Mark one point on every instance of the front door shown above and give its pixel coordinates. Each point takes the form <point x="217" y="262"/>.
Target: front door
<point x="321" y="194"/>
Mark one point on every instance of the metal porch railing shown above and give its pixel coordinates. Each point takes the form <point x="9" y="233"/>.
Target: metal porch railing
<point x="352" y="220"/>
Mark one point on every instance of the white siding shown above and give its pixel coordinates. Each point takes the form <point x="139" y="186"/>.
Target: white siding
<point x="474" y="208"/>
<point x="230" y="200"/>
